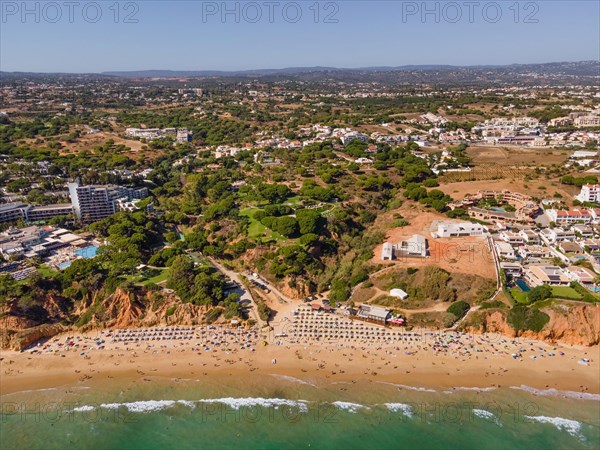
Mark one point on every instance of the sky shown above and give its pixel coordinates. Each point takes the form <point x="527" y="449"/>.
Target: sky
<point x="96" y="36"/>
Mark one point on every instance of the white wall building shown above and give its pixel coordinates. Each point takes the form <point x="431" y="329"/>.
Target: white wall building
<point x="414" y="247"/>
<point x="505" y="251"/>
<point x="572" y="216"/>
<point x="589" y="193"/>
<point x="458" y="229"/>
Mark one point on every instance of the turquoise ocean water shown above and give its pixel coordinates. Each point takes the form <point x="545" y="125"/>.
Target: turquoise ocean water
<point x="277" y="412"/>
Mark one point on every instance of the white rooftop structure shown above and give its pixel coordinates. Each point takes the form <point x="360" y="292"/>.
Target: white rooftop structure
<point x="458" y="229"/>
<point x="387" y="252"/>
<point x="372" y="312"/>
<point x="399" y="293"/>
<point x="415" y="246"/>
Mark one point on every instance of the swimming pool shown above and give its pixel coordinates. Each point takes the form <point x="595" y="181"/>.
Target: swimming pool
<point x="87" y="252"/>
<point x="64" y="265"/>
<point x="498" y="209"/>
<point x="522" y="285"/>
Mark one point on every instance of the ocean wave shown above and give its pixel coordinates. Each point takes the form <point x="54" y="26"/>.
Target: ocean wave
<point x="29" y="391"/>
<point x="292" y="379"/>
<point x="412" y="388"/>
<point x="478" y="389"/>
<point x="556" y="392"/>
<point x="350" y="407"/>
<point x="83" y="408"/>
<point x="237" y="403"/>
<point x="484" y="414"/>
<point x="416" y="388"/>
<point x="187" y="403"/>
<point x="400" y="407"/>
<point x="571" y="426"/>
<point x="144" y="406"/>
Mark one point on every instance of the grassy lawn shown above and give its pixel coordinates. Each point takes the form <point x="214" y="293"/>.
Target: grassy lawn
<point x="566" y="292"/>
<point x="294" y="201"/>
<point x="158" y="278"/>
<point x="46" y="271"/>
<point x="519" y="295"/>
<point x="256" y="229"/>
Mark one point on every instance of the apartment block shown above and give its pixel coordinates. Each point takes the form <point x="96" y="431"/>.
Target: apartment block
<point x="92" y="203"/>
<point x="572" y="216"/>
<point x="589" y="193"/>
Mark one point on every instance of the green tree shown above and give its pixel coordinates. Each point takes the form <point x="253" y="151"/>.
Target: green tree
<point x="286" y="226"/>
<point x="181" y="277"/>
<point x="539" y="293"/>
<point x="309" y="221"/>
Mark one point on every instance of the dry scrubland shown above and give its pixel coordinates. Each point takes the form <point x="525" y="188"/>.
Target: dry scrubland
<point x="516" y="156"/>
<point x="468" y="255"/>
<point x="550" y="187"/>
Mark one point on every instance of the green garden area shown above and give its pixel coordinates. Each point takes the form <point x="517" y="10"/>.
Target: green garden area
<point x="541" y="293"/>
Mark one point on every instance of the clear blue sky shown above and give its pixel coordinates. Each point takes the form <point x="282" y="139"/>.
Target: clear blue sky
<point x="184" y="35"/>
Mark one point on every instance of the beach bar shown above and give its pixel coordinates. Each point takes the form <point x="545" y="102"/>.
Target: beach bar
<point x="376" y="314"/>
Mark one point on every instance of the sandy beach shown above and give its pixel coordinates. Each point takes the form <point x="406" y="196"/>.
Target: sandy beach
<point x="425" y="359"/>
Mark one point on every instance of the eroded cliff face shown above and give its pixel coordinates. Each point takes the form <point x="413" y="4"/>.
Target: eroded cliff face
<point x="298" y="292"/>
<point x="126" y="309"/>
<point x="121" y="309"/>
<point x="573" y="325"/>
<point x="21" y="339"/>
<point x="579" y="325"/>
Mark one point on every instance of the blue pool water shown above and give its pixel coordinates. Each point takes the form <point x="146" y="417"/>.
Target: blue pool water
<point x="498" y="209"/>
<point x="522" y="285"/>
<point x="87" y="252"/>
<point x="64" y="265"/>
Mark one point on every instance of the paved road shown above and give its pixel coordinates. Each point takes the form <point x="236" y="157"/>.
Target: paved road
<point x="272" y="288"/>
<point x="245" y="295"/>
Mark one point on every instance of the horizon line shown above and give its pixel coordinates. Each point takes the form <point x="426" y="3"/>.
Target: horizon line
<point x="371" y="67"/>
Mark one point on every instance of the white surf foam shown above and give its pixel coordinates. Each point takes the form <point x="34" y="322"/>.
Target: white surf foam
<point x="237" y="403"/>
<point x="84" y="408"/>
<point x="142" y="406"/>
<point x="350" y="407"/>
<point x="571" y="426"/>
<point x="556" y="392"/>
<point x="400" y="407"/>
<point x="484" y="414"/>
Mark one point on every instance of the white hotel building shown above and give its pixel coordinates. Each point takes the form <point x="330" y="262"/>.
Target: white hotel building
<point x="589" y="193"/>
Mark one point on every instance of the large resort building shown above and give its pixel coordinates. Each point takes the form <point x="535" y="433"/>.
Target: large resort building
<point x="92" y="203"/>
<point x="12" y="212"/>
<point x="88" y="204"/>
